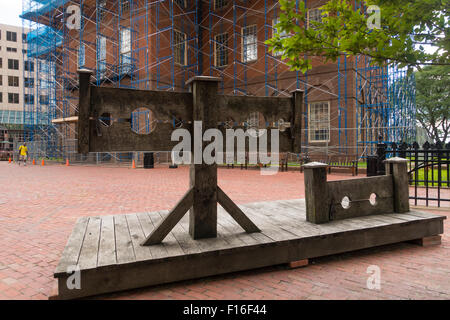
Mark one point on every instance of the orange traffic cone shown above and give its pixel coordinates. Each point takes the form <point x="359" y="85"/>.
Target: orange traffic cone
<point x="67" y="162"/>
<point x="9" y="160"/>
<point x="43" y="162"/>
<point x="34" y="162"/>
<point x="133" y="165"/>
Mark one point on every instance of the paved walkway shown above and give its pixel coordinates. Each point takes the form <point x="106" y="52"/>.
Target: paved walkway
<point x="39" y="206"/>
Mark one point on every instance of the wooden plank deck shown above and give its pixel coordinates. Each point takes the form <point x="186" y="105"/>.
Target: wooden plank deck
<point x="108" y="253"/>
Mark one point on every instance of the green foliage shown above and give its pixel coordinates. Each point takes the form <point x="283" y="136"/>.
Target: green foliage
<point x="433" y="101"/>
<point x="405" y="27"/>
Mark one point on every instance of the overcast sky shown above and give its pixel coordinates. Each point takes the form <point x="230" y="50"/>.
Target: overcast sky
<point x="10" y="11"/>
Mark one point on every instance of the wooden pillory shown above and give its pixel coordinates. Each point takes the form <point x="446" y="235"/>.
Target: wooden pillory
<point x="203" y="104"/>
<point x="324" y="198"/>
<point x="121" y="252"/>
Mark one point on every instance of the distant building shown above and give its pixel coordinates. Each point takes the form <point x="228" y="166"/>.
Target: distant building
<point x="16" y="90"/>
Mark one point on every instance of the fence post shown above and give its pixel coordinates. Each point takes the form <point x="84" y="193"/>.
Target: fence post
<point x="397" y="167"/>
<point x="381" y="155"/>
<point x="316" y="192"/>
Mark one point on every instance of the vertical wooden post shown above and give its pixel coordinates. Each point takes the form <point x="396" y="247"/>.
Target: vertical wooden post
<point x="296" y="121"/>
<point x="203" y="177"/>
<point x="84" y="104"/>
<point x="316" y="192"/>
<point x="397" y="167"/>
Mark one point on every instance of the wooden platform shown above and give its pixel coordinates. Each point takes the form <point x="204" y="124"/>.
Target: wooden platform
<point x="108" y="252"/>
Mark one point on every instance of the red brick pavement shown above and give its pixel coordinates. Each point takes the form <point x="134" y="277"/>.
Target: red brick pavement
<point x="39" y="206"/>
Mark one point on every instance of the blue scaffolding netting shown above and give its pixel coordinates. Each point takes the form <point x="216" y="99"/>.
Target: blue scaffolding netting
<point x="159" y="44"/>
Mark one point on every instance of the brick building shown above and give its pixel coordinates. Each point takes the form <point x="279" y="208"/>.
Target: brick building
<point x="159" y="45"/>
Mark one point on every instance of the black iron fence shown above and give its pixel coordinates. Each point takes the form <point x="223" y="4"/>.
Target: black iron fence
<point x="428" y="169"/>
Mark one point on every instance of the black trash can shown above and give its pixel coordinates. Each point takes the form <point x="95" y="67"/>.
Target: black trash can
<point x="372" y="166"/>
<point x="149" y="160"/>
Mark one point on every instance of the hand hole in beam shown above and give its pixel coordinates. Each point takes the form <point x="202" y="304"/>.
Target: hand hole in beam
<point x="143" y="121"/>
<point x="373" y="199"/>
<point x="257" y="122"/>
<point x="345" y="202"/>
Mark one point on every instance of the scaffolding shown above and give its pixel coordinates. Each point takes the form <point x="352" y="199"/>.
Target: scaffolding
<point x="160" y="44"/>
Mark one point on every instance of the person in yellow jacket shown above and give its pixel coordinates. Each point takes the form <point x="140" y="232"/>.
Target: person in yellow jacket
<point x="23" y="153"/>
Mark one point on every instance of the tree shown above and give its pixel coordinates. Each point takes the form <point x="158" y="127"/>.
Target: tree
<point x="433" y="101"/>
<point x="404" y="30"/>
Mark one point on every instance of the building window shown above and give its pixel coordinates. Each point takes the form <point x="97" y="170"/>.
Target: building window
<point x="1" y="80"/>
<point x="13" y="64"/>
<point x="43" y="84"/>
<point x="125" y="50"/>
<point x="44" y="67"/>
<point x="29" y="98"/>
<point x="179" y="47"/>
<point x="101" y="10"/>
<point x="43" y="99"/>
<point x="13" y="98"/>
<point x="101" y="61"/>
<point x="220" y="50"/>
<point x="13" y="81"/>
<point x="283" y="34"/>
<point x="81" y="55"/>
<point x="249" y="44"/>
<point x="319" y="121"/>
<point x="125" y="5"/>
<point x="1" y="97"/>
<point x="24" y="37"/>
<point x="11" y="36"/>
<point x="314" y="15"/>
<point x="28" y="82"/>
<point x="29" y="66"/>
<point x="218" y="4"/>
<point x="9" y="49"/>
<point x="181" y="3"/>
<point x="1" y="63"/>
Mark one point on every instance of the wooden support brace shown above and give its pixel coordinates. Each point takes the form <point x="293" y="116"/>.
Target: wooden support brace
<point x="174" y="216"/>
<point x="235" y="212"/>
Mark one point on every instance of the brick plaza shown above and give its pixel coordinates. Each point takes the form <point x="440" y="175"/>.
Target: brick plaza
<point x="39" y="207"/>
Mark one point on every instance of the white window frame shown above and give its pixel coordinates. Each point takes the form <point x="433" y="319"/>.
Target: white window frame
<point x="247" y="48"/>
<point x="283" y="35"/>
<point x="216" y="46"/>
<point x="101" y="61"/>
<point x="223" y="2"/>
<point x="181" y="45"/>
<point x="312" y="129"/>
<point x="124" y="6"/>
<point x="309" y="15"/>
<point x="125" y="49"/>
<point x="101" y="10"/>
